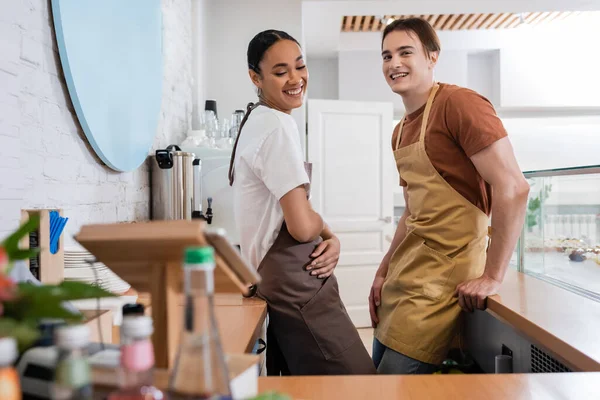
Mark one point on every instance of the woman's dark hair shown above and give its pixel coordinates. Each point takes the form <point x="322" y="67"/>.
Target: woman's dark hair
<point x="262" y="42"/>
<point x="257" y="48"/>
<point x="424" y="31"/>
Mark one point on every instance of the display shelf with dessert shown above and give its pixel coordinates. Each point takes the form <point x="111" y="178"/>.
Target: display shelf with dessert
<point x="560" y="241"/>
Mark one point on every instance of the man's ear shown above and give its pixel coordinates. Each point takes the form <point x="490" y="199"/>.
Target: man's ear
<point x="433" y="58"/>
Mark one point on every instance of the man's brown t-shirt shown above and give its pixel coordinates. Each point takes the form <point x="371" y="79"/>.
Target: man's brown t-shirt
<point x="461" y="123"/>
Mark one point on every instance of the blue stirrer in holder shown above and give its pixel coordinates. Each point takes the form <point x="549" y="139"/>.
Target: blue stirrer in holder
<point x="57" y="224"/>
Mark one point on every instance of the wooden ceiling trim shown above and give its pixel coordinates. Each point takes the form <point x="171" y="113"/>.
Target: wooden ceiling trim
<point x="454" y="22"/>
<point x="500" y="20"/>
<point x="548" y="17"/>
<point x="508" y="21"/>
<point x="369" y="23"/>
<point x="450" y="21"/>
<point x="347" y="23"/>
<point x="533" y="17"/>
<point x="515" y="22"/>
<point x="376" y="24"/>
<point x="441" y="21"/>
<point x="357" y="22"/>
<point x="486" y="21"/>
<point x="469" y="21"/>
<point x="493" y="20"/>
<point x="477" y="23"/>
<point x="563" y="15"/>
<point x="458" y="22"/>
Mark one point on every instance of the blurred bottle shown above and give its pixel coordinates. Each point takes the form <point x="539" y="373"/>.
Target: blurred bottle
<point x="200" y="371"/>
<point x="73" y="375"/>
<point x="10" y="387"/>
<point x="137" y="361"/>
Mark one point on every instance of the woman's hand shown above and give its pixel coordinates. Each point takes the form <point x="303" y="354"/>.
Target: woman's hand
<point x="326" y="257"/>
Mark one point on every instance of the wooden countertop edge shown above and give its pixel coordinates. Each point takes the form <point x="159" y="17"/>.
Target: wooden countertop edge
<point x="257" y="328"/>
<point x="565" y="352"/>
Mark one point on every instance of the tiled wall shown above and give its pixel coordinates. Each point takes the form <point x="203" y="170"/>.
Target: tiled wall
<point x="45" y="160"/>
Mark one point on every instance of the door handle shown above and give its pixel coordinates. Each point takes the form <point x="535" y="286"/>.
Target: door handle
<point x="387" y="220"/>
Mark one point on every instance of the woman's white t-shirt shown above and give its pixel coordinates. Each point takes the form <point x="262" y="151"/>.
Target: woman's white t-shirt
<point x="268" y="164"/>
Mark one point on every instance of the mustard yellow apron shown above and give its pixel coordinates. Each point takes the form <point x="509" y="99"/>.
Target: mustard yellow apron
<point x="445" y="245"/>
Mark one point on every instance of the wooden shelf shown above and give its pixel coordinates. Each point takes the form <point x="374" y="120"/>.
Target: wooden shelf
<point x="51" y="266"/>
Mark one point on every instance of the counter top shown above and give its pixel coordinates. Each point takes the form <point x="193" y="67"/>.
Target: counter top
<point x="563" y="322"/>
<point x="432" y="387"/>
<point x="239" y="325"/>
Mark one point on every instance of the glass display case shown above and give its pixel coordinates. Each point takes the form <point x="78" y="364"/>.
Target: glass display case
<point x="560" y="241"/>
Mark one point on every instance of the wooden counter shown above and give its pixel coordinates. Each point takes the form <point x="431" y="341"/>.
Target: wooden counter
<point x="433" y="387"/>
<point x="563" y="322"/>
<point x="580" y="386"/>
<point x="239" y="326"/>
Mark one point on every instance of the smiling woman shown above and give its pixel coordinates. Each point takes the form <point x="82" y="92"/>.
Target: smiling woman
<point x="309" y="331"/>
<point x="283" y="84"/>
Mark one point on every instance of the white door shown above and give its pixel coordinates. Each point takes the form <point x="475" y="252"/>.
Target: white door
<point x="353" y="180"/>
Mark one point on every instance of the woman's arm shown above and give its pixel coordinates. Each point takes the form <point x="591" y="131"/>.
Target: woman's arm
<point x="303" y="223"/>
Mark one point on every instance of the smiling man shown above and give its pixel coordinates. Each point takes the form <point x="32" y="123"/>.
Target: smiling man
<point x="452" y="154"/>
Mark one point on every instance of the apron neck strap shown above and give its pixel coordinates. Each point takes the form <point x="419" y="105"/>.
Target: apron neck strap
<point x="249" y="109"/>
<point x="399" y="134"/>
<point x="432" y="93"/>
<point x="434" y="90"/>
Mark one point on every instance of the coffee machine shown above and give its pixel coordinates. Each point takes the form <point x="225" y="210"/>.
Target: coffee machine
<point x="176" y="186"/>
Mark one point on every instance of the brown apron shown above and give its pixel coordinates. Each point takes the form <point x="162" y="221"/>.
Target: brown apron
<point x="309" y="331"/>
<point x="445" y="245"/>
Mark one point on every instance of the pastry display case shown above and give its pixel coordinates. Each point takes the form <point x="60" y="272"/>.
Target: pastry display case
<point x="560" y="241"/>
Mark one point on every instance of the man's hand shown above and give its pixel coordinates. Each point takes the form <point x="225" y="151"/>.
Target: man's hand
<point x="473" y="294"/>
<point x="375" y="298"/>
<point x="326" y="257"/>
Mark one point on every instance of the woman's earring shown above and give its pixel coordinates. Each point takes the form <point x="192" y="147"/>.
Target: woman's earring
<point x="259" y="92"/>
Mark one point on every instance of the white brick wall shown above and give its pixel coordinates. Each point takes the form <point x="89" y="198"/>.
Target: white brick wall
<point x="45" y="160"/>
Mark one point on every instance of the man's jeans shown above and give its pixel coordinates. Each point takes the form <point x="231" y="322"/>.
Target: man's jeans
<point x="390" y="362"/>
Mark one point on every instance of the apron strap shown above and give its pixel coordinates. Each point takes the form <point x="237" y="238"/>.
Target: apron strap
<point x="427" y="110"/>
<point x="434" y="90"/>
<point x="249" y="109"/>
<point x="399" y="134"/>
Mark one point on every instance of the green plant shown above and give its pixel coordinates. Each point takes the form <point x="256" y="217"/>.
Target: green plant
<point x="534" y="206"/>
<point x="23" y="305"/>
<point x="9" y="249"/>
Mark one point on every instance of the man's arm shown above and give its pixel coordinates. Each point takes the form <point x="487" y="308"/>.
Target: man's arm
<point x="498" y="167"/>
<point x="375" y="294"/>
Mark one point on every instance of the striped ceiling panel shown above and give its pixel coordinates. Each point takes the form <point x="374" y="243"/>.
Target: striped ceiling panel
<point x="455" y="22"/>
